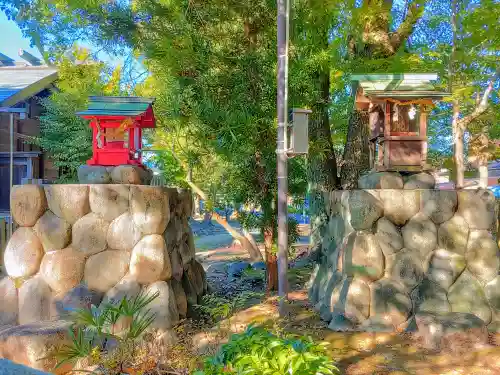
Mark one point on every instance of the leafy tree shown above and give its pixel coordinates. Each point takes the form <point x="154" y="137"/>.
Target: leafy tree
<point x="63" y="135"/>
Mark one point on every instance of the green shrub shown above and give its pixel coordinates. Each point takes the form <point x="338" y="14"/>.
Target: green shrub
<point x="219" y="308"/>
<point x="260" y="352"/>
<point x="91" y="329"/>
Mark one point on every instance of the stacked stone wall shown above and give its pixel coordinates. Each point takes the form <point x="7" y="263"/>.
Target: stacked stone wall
<point x="391" y="253"/>
<point x="78" y="245"/>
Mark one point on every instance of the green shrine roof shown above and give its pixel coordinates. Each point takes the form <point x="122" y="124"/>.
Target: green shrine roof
<point x="398" y="85"/>
<point x="116" y="106"/>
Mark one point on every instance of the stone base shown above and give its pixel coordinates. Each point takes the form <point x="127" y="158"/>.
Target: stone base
<point x="389" y="254"/>
<point x="454" y="332"/>
<point x="121" y="174"/>
<point x="81" y="245"/>
<point x="397" y="180"/>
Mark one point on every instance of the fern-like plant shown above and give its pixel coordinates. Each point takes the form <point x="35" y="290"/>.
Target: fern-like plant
<point x="93" y="327"/>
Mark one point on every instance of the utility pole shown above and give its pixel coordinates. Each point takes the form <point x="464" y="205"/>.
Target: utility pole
<point x="282" y="168"/>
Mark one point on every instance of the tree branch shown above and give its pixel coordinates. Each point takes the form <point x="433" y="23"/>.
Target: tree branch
<point x="482" y="106"/>
<point x="415" y="12"/>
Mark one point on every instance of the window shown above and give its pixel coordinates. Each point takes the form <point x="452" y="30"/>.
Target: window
<point x="404" y="119"/>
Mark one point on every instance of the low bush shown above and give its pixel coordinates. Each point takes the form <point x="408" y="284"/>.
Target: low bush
<point x="96" y="329"/>
<point x="260" y="352"/>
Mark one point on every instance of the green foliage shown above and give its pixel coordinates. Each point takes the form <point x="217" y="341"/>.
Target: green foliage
<point x="92" y="327"/>
<point x="219" y="308"/>
<point x="252" y="220"/>
<point x="258" y="351"/>
<point x="63" y="135"/>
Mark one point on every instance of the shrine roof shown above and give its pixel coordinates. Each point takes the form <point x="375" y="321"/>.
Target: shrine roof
<point x="116" y="106"/>
<point x="413" y="85"/>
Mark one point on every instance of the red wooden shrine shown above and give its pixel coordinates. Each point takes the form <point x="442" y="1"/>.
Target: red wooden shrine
<point x="117" y="124"/>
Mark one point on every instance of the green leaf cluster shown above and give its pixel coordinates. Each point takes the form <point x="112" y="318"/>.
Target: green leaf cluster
<point x="92" y="327"/>
<point x="260" y="352"/>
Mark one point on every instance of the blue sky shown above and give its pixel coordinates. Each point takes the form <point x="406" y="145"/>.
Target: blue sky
<point x="12" y="39"/>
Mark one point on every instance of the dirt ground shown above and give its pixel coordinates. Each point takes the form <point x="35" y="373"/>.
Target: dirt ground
<point x="359" y="353"/>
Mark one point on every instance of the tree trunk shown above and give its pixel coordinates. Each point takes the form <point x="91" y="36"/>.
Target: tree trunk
<point x="271" y="260"/>
<point x="322" y="163"/>
<point x="356" y="159"/>
<point x="483" y="173"/>
<point x="458" y="148"/>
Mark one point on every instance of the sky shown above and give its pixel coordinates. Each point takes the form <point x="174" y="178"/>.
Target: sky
<point x="12" y="39"/>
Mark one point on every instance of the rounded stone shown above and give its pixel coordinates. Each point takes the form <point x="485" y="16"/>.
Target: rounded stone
<point x="126" y="174"/>
<point x="54" y="233"/>
<point x="27" y="204"/>
<point x="35" y="299"/>
<point x="62" y="270"/>
<point x="431" y="297"/>
<point x="93" y="174"/>
<point x="400" y="205"/>
<point x="176" y="268"/>
<point x="173" y="233"/>
<point x="351" y="298"/>
<point x="187" y="252"/>
<point x="477" y="207"/>
<point x="439" y="205"/>
<point x="319" y="273"/>
<point x="193" y="274"/>
<point x="148" y="260"/>
<point x="466" y="295"/>
<point x="127" y="288"/>
<point x="69" y="202"/>
<point x="109" y="201"/>
<point x="106" y="269"/>
<point x="327" y="287"/>
<point x="365" y="209"/>
<point x="123" y="234"/>
<point x="420" y="235"/>
<point x="363" y="257"/>
<point x="180" y="297"/>
<point x="164" y="307"/>
<point x="389" y="302"/>
<point x="388" y="236"/>
<point x="8" y="308"/>
<point x="23" y="253"/>
<point x="150" y="208"/>
<point x="420" y="181"/>
<point x="492" y="291"/>
<point x="186" y="201"/>
<point x="79" y="297"/>
<point x="407" y="268"/>
<point x="336" y="230"/>
<point x="89" y="234"/>
<point x="482" y="256"/>
<point x="445" y="267"/>
<point x="453" y="235"/>
<point x="380" y="180"/>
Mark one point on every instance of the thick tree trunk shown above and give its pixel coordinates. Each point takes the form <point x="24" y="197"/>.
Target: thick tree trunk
<point x="271" y="260"/>
<point x="322" y="163"/>
<point x="356" y="159"/>
<point x="483" y="173"/>
<point x="458" y="148"/>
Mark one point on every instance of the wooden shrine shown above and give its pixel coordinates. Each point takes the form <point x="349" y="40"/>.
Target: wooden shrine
<point x="397" y="106"/>
<point x="117" y="124"/>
